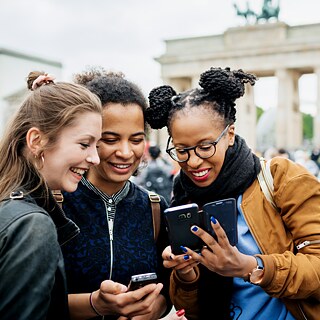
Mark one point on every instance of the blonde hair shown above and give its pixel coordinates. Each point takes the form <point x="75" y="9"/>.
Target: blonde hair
<point x="51" y="107"/>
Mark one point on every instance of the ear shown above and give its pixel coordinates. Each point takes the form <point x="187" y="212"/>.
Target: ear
<point x="231" y="135"/>
<point x="34" y="139"/>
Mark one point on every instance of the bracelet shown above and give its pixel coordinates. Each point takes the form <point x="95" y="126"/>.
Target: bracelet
<point x="93" y="307"/>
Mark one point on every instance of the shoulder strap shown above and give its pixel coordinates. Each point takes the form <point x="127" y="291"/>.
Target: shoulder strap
<point x="266" y="181"/>
<point x="58" y="196"/>
<point x="155" y="207"/>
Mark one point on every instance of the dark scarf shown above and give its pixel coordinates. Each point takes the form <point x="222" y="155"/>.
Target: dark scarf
<point x="239" y="170"/>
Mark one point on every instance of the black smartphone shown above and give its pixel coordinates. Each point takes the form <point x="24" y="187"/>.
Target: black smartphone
<point x="225" y="212"/>
<point x="140" y="280"/>
<point x="179" y="221"/>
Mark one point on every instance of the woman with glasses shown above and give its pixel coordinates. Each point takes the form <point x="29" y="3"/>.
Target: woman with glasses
<point x="273" y="272"/>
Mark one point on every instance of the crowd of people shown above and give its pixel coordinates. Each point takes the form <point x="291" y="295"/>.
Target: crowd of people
<point x="80" y="214"/>
<point x="308" y="159"/>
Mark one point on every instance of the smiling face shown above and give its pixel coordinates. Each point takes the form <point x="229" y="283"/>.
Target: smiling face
<point x="195" y="126"/>
<point x="73" y="154"/>
<point x="121" y="147"/>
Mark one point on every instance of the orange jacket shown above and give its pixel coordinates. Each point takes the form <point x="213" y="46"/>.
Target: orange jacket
<point x="290" y="274"/>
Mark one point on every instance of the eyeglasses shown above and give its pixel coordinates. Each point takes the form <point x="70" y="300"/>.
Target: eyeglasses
<point x="203" y="150"/>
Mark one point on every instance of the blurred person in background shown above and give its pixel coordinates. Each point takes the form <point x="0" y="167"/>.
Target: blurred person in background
<point x="158" y="175"/>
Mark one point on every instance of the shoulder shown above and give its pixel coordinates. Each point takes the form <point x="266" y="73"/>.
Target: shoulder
<point x="286" y="169"/>
<point x="27" y="219"/>
<point x="290" y="178"/>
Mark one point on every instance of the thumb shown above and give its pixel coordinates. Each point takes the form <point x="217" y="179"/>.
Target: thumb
<point x="109" y="286"/>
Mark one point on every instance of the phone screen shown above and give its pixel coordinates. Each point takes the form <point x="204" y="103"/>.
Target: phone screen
<point x="179" y="221"/>
<point x="226" y="213"/>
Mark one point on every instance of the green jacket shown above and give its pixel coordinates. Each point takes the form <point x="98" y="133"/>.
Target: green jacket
<point x="290" y="274"/>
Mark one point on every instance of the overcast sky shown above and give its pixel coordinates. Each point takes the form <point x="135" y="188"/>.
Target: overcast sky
<point x="126" y="35"/>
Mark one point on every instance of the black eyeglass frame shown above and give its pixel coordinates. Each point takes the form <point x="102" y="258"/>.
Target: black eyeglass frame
<point x="194" y="148"/>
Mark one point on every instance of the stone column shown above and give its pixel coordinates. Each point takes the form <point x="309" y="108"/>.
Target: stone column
<point x="316" y="120"/>
<point x="246" y="117"/>
<point x="289" y="118"/>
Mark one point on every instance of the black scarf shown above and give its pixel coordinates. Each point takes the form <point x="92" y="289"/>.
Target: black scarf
<point x="239" y="170"/>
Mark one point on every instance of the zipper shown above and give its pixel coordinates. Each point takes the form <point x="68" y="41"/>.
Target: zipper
<point x="302" y="313"/>
<point x="110" y="229"/>
<point x="306" y="243"/>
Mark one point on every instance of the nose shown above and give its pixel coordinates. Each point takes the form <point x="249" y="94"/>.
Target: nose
<point x="194" y="161"/>
<point x="93" y="157"/>
<point x="124" y="150"/>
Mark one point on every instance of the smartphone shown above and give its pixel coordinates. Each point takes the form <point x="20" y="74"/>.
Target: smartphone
<point x="179" y="221"/>
<point x="140" y="280"/>
<point x="226" y="213"/>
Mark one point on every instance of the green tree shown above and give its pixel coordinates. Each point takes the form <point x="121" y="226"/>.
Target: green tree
<point x="260" y="111"/>
<point x="307" y="126"/>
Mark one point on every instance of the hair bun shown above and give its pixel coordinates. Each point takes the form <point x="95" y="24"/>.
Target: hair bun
<point x="159" y="106"/>
<point x="224" y="83"/>
<point x="36" y="79"/>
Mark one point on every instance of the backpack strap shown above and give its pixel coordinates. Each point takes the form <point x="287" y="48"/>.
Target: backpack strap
<point x="155" y="207"/>
<point x="266" y="181"/>
<point x="57" y="194"/>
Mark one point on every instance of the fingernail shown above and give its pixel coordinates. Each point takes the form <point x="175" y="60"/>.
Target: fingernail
<point x="183" y="249"/>
<point x="180" y="313"/>
<point x="194" y="228"/>
<point x="213" y="219"/>
<point x="186" y="257"/>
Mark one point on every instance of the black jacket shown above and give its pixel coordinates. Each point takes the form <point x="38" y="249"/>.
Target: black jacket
<point x="32" y="276"/>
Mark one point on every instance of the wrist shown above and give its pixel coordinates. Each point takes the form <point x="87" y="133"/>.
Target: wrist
<point x="93" y="305"/>
<point x="257" y="273"/>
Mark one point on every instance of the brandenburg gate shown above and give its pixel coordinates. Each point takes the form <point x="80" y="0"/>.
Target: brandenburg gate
<point x="270" y="49"/>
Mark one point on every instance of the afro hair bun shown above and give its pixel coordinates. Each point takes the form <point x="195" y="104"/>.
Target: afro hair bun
<point x="224" y="83"/>
<point x="159" y="106"/>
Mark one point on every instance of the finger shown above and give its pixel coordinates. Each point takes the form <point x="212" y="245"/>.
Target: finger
<point x="188" y="268"/>
<point x="167" y="253"/>
<point x="111" y="287"/>
<point x="220" y="233"/>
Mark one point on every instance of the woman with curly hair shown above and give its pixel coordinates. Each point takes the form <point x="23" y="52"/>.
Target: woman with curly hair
<point x="117" y="238"/>
<point x="273" y="272"/>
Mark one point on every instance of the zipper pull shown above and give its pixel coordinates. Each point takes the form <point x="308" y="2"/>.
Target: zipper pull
<point x="110" y="224"/>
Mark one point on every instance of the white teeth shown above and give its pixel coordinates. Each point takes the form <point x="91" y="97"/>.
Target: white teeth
<point x="200" y="174"/>
<point x="122" y="166"/>
<point x="78" y="171"/>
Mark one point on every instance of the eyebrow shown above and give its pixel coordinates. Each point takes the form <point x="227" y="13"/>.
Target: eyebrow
<point x="117" y="134"/>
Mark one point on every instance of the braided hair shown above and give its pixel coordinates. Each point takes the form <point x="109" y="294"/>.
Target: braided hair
<point x="219" y="90"/>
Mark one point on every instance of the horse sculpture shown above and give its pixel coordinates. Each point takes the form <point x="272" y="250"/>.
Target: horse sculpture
<point x="268" y="11"/>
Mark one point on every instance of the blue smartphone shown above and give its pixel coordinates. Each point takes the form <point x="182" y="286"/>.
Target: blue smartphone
<point x="179" y="221"/>
<point x="225" y="212"/>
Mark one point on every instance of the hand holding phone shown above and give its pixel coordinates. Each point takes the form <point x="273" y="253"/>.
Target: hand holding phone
<point x="140" y="280"/>
<point x="226" y="213"/>
<point x="179" y="221"/>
